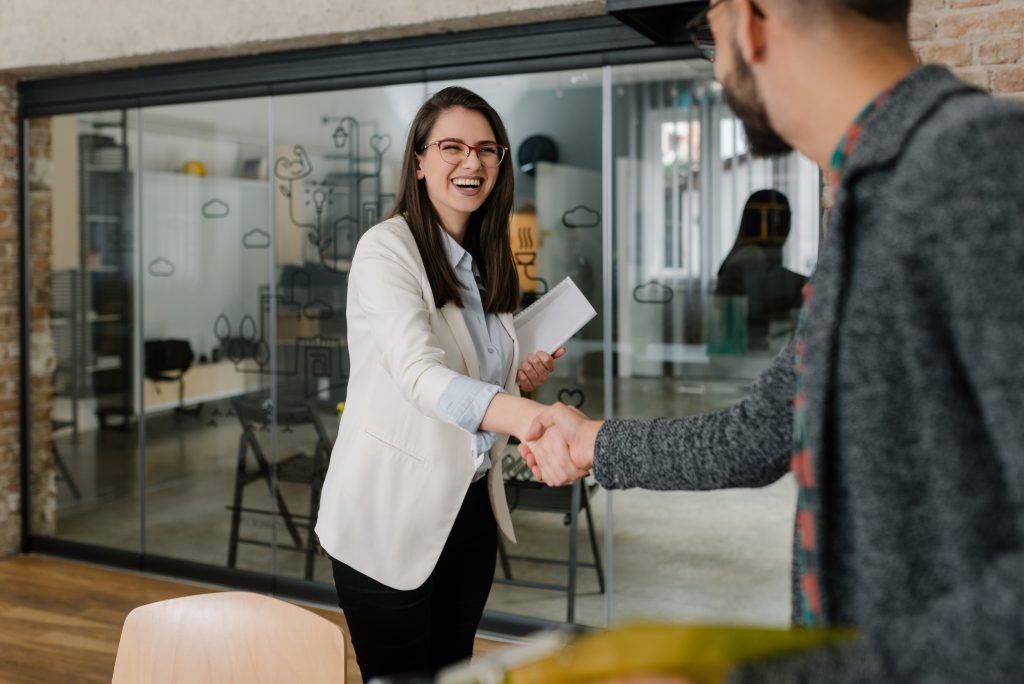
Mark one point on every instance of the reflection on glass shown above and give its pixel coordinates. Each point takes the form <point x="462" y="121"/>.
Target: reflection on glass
<point x="336" y="162"/>
<point x="712" y="247"/>
<point x="753" y="274"/>
<point x="88" y="492"/>
<point x="241" y="255"/>
<point x="204" y="239"/>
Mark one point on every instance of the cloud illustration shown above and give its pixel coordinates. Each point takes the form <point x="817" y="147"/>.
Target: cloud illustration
<point x="581" y="217"/>
<point x="256" y="239"/>
<point x="161" y="267"/>
<point x="653" y="293"/>
<point x="216" y="208"/>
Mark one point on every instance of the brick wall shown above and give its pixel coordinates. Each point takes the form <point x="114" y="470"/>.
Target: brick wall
<point x="982" y="40"/>
<point x="42" y="356"/>
<point x="43" y="483"/>
<point x="10" y="467"/>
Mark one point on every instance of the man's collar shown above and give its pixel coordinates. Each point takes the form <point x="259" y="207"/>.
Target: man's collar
<point x="911" y="100"/>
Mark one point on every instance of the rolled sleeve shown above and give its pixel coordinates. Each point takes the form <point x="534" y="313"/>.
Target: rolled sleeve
<point x="464" y="402"/>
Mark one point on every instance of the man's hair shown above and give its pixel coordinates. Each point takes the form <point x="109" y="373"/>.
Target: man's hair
<point x="886" y="11"/>
<point x="883" y="11"/>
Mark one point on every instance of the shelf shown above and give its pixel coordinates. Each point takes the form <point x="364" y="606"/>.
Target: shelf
<point x="103" y="218"/>
<point x="103" y="269"/>
<point x="103" y="318"/>
<point x="91" y="318"/>
<point x="93" y="168"/>
<point x="104" y="363"/>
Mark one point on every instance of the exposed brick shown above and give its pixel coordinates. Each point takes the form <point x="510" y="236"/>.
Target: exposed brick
<point x="1008" y="80"/>
<point x="981" y="23"/>
<point x="927" y="5"/>
<point x="956" y="4"/>
<point x="923" y="28"/>
<point x="951" y="53"/>
<point x="1002" y="50"/>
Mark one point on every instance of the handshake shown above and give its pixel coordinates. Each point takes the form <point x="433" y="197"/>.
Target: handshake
<point x="559" y="445"/>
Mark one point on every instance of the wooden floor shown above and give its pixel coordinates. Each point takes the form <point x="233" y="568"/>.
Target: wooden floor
<point x="60" y="621"/>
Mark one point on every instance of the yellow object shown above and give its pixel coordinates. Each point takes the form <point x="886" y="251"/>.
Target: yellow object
<point x="525" y="248"/>
<point x="341" y="407"/>
<point x="703" y="654"/>
<point x="193" y="168"/>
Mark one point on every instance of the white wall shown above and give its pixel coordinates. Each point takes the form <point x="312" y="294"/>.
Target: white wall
<point x="53" y="36"/>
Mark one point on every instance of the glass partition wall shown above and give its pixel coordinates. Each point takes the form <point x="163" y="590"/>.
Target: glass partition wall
<point x="196" y="342"/>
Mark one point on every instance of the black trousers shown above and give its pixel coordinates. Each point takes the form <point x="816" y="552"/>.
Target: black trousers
<point x="425" y="629"/>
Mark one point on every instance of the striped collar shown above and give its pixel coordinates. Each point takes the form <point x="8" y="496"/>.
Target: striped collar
<point x="852" y="135"/>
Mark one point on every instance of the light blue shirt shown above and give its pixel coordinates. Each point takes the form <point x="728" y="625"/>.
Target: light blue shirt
<point x="466" y="399"/>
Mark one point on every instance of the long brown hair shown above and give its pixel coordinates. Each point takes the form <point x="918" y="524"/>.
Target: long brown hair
<point x="487" y="239"/>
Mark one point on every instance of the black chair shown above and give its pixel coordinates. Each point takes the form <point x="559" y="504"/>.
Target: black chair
<point x="253" y="414"/>
<point x="524" y="493"/>
<point x="168" y="361"/>
<point x="58" y="460"/>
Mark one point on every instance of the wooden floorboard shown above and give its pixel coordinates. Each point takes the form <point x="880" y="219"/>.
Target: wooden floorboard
<point x="60" y="621"/>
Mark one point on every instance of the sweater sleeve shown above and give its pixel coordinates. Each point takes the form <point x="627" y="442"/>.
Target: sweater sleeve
<point x="745" y="445"/>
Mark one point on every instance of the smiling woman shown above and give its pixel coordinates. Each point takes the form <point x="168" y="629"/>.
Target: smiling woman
<point x="414" y="494"/>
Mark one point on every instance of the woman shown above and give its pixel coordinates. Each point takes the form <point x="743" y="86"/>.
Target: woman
<point x="753" y="268"/>
<point x="414" y="492"/>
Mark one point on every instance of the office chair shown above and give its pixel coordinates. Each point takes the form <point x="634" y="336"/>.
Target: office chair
<point x="301" y="467"/>
<point x="168" y="361"/>
<point x="523" y="493"/>
<point x="228" y="637"/>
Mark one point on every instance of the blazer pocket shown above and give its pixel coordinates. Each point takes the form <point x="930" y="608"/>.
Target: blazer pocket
<point x="394" y="447"/>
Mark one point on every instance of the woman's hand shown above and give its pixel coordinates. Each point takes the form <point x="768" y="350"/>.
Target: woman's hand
<point x="536" y="368"/>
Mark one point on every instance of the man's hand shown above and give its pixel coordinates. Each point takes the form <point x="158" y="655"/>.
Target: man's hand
<point x="567" y="454"/>
<point x="535" y="370"/>
<point x="549" y="461"/>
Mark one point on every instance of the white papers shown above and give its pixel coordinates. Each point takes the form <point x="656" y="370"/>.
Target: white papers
<point x="550" y="321"/>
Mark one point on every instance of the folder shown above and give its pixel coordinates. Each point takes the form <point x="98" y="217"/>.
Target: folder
<point x="704" y="654"/>
<point x="549" y="322"/>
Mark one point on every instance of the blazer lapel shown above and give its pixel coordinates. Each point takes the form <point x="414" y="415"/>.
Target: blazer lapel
<point x="453" y="316"/>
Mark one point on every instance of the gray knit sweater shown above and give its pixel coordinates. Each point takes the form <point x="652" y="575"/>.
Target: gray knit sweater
<point x="915" y="389"/>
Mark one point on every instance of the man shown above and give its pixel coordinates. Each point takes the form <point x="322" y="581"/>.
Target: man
<point x="899" y="405"/>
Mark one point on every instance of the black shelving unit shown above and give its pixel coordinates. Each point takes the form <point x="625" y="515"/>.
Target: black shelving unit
<point x="105" y="270"/>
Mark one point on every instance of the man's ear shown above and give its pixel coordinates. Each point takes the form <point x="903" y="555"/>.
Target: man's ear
<point x="750" y="31"/>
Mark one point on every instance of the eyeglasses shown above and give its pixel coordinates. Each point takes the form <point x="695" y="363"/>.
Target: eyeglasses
<point x="700" y="29"/>
<point x="456" y="151"/>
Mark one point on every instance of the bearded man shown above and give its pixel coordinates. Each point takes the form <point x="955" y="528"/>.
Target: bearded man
<point x="899" y="404"/>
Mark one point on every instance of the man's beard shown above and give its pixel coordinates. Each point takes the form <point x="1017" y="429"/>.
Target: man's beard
<point x="743" y="96"/>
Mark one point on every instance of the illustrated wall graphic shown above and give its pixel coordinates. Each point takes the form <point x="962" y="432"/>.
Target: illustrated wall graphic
<point x="293" y="168"/>
<point x="581" y="217"/>
<point x="572" y="397"/>
<point x="337" y="206"/>
<point x="652" y="292"/>
<point x="161" y="267"/>
<point x="216" y="209"/>
<point x="319" y="361"/>
<point x="299" y="294"/>
<point x="256" y="239"/>
<point x="527" y="261"/>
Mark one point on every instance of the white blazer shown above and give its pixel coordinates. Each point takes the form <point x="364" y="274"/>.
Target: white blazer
<point x="399" y="471"/>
